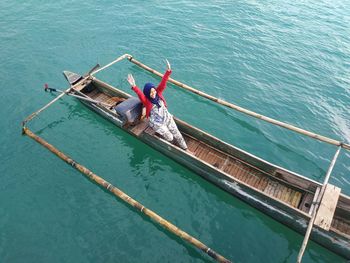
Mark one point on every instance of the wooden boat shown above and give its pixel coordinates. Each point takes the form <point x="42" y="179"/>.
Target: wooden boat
<point x="284" y="195"/>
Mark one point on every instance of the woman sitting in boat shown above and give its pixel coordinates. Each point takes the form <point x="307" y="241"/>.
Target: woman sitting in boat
<point x="160" y="120"/>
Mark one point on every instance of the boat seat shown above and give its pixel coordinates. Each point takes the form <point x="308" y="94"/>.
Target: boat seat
<point x="129" y="110"/>
<point x="327" y="207"/>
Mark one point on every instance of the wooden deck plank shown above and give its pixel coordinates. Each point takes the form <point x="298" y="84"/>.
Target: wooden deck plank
<point x="335" y="223"/>
<point x="244" y="175"/>
<point x="93" y="93"/>
<point x="237" y="171"/>
<point x="100" y="97"/>
<point x="240" y="173"/>
<point x="257" y="182"/>
<point x="268" y="187"/>
<point x="255" y="179"/>
<point x="345" y="227"/>
<point x="139" y="128"/>
<point x="341" y="225"/>
<point x="234" y="170"/>
<point x="277" y="190"/>
<point x="250" y="176"/>
<point x="289" y="193"/>
<point x="231" y="168"/>
<point x="286" y="197"/>
<point x="203" y="154"/>
<point x="225" y="163"/>
<point x="263" y="183"/>
<point x="284" y="194"/>
<point x="291" y="196"/>
<point x="327" y="207"/>
<point x="216" y="159"/>
<point x="199" y="150"/>
<point x="192" y="144"/>
<point x="280" y="192"/>
<point x="252" y="179"/>
<point x="210" y="157"/>
<point x="228" y="166"/>
<point x="296" y="199"/>
<point x="230" y="163"/>
<point x="259" y="178"/>
<point x="274" y="186"/>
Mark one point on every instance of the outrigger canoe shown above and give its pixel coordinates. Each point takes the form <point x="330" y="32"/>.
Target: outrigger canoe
<point x="284" y="195"/>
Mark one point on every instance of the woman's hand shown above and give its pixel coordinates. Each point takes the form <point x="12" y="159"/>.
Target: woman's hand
<point x="131" y="80"/>
<point x="168" y="64"/>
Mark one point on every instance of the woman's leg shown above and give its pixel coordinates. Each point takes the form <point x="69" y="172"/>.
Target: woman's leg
<point x="164" y="132"/>
<point x="176" y="133"/>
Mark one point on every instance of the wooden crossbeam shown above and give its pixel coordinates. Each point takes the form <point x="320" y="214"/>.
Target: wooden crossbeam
<point x="327" y="207"/>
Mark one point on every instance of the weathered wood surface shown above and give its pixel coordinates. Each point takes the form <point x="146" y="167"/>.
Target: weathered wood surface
<point x="327" y="207"/>
<point x="314" y="213"/>
<point x="244" y="172"/>
<point x="306" y="202"/>
<point x="140" y="127"/>
<point x="341" y="225"/>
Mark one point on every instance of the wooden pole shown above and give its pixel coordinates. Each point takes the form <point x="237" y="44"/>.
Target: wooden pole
<point x="34" y="114"/>
<point x="110" y="64"/>
<point x="31" y="116"/>
<point x="127" y="199"/>
<point x="317" y="205"/>
<point x="243" y="110"/>
<point x="86" y="98"/>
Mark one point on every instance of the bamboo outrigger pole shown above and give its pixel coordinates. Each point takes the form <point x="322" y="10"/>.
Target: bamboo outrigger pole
<point x="243" y="110"/>
<point x="317" y="205"/>
<point x="127" y="199"/>
<point x="34" y="114"/>
<point x="63" y="92"/>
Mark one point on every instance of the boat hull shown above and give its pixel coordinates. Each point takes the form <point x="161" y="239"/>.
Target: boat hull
<point x="281" y="212"/>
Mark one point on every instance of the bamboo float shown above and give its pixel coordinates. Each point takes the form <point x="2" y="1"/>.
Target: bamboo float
<point x="243" y="110"/>
<point x="317" y="205"/>
<point x="127" y="199"/>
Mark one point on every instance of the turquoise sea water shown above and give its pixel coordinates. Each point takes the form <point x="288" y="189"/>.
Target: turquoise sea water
<point x="287" y="60"/>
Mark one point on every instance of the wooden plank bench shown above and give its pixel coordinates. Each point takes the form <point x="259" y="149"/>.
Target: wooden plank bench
<point x="327" y="207"/>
